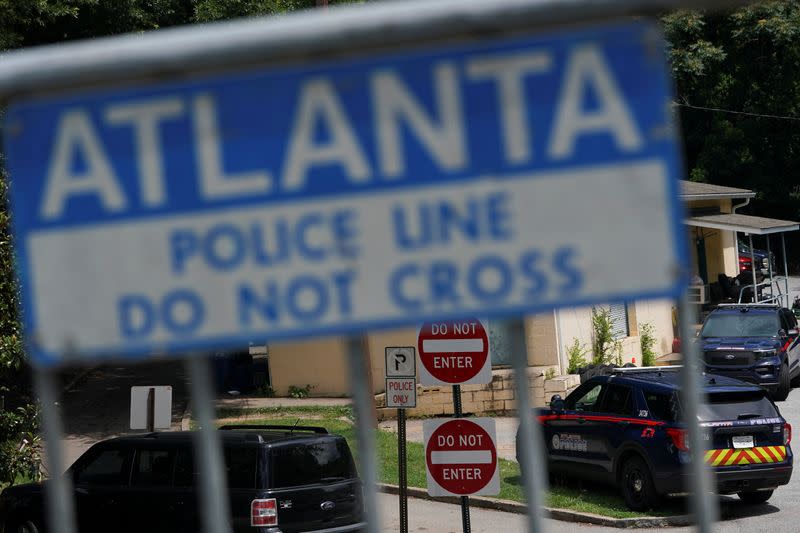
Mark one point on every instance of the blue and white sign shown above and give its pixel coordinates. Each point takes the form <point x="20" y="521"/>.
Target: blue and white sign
<point x="490" y="177"/>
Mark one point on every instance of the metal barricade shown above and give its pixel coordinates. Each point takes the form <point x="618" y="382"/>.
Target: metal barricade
<point x="301" y="36"/>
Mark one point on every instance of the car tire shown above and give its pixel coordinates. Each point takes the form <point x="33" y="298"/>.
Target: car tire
<point x="637" y="485"/>
<point x="784" y="384"/>
<point x="756" y="496"/>
<point x="24" y="526"/>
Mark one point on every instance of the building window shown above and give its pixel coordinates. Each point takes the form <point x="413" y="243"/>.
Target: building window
<point x="619" y="319"/>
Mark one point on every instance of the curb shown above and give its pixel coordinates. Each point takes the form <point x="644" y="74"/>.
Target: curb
<point x="563" y="515"/>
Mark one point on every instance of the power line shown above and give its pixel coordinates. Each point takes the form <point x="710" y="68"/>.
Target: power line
<point x="731" y="111"/>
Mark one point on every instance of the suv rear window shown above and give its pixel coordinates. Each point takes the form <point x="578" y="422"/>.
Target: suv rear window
<point x="741" y="325"/>
<point x="736" y="406"/>
<point x="307" y="463"/>
<point x="663" y="406"/>
<point x="240" y="467"/>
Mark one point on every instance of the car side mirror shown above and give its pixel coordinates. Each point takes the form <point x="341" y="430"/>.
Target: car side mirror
<point x="782" y="333"/>
<point x="557" y="404"/>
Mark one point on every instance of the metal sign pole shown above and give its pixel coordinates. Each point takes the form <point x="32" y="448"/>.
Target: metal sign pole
<point x="365" y="433"/>
<point x="215" y="509"/>
<point x="785" y="269"/>
<point x="464" y="499"/>
<point x="532" y="475"/>
<point x="151" y="410"/>
<point x="58" y="491"/>
<point x="401" y="459"/>
<point x="703" y="506"/>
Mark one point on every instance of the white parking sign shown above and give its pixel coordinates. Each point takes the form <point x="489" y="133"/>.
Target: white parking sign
<point x="401" y="361"/>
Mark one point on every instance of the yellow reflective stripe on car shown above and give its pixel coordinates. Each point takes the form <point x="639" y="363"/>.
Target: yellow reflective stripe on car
<point x="746" y="456"/>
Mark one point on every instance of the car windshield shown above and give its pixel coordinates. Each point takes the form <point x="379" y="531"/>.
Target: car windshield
<point x="741" y="325"/>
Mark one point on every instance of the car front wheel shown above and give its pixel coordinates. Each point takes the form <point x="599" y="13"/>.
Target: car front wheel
<point x="637" y="485"/>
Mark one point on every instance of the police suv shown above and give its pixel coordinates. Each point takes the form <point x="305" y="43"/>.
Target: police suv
<point x="758" y="343"/>
<point x="626" y="429"/>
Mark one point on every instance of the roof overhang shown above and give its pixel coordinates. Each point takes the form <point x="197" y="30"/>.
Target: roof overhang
<point x="716" y="196"/>
<point x="744" y="223"/>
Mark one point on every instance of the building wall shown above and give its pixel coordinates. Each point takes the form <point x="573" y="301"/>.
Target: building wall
<point x="320" y="362"/>
<point x="541" y="338"/>
<point x="658" y="313"/>
<point x="576" y="323"/>
<point x="496" y="398"/>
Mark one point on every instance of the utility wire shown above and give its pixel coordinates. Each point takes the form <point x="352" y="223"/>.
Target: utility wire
<point x="717" y="109"/>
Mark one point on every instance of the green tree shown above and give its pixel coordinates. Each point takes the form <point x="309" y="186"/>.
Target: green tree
<point x="736" y="73"/>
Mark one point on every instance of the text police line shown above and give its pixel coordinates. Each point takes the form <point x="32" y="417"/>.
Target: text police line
<point x="316" y="237"/>
<point x="81" y="166"/>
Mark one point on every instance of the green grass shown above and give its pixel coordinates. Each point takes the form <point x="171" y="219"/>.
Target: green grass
<point x="587" y="498"/>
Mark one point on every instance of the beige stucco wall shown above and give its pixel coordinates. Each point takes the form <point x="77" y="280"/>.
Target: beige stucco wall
<point x="541" y="338"/>
<point x="658" y="313"/>
<point x="576" y="323"/>
<point x="321" y="363"/>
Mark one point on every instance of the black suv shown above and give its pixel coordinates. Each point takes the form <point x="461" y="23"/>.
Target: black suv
<point x="280" y="479"/>
<point x="626" y="429"/>
<point x="753" y="342"/>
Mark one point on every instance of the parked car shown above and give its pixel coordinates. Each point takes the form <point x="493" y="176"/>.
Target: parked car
<point x="763" y="258"/>
<point x="280" y="479"/>
<point x="753" y="342"/>
<point x="627" y="429"/>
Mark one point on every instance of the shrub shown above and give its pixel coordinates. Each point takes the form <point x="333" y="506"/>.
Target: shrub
<point x="550" y="373"/>
<point x="605" y="348"/>
<point x="576" y="353"/>
<point x="647" y="338"/>
<point x="296" y="391"/>
<point x="20" y="445"/>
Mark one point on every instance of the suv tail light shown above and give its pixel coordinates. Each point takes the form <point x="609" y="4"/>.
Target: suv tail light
<point x="787" y="433"/>
<point x="679" y="438"/>
<point x="264" y="512"/>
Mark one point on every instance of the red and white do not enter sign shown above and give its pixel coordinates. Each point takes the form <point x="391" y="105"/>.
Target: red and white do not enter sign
<point x="461" y="457"/>
<point x="454" y="353"/>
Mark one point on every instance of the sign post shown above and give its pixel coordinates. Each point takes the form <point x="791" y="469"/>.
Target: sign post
<point x="401" y="392"/>
<point x="455" y="353"/>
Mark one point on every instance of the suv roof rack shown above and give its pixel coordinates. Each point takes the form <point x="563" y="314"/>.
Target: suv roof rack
<point x="291" y="429"/>
<point x="638" y="369"/>
<point x="748" y="305"/>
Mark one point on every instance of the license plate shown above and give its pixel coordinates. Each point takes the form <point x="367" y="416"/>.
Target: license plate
<point x="743" y="442"/>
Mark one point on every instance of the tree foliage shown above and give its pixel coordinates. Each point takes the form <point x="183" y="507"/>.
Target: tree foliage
<point x="745" y="61"/>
